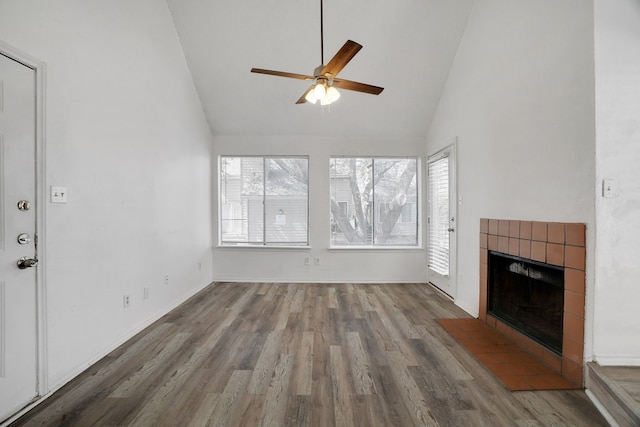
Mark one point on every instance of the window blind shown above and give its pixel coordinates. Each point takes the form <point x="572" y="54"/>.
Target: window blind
<point x="439" y="215"/>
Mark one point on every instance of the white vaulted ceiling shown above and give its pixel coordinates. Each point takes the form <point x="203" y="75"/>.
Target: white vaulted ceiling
<point x="409" y="46"/>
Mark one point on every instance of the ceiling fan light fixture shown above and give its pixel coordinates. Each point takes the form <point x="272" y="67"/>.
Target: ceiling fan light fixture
<point x="319" y="90"/>
<point x="311" y="97"/>
<point x="333" y="94"/>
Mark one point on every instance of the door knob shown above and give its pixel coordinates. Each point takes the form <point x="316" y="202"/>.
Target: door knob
<point x="451" y="229"/>
<point x="24" y="239"/>
<point x="25" y="262"/>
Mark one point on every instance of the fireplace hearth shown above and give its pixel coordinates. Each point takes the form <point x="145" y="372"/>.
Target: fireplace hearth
<point x="540" y="309"/>
<point x="528" y="296"/>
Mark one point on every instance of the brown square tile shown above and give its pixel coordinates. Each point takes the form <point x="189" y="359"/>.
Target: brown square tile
<point x="555" y="232"/>
<point x="572" y="349"/>
<point x="574" y="302"/>
<point x="555" y="254"/>
<point x="492" y="242"/>
<point x="516" y="382"/>
<point x="484" y="256"/>
<point x="539" y="251"/>
<point x="483" y="240"/>
<point x="525" y="230"/>
<point x="503" y="227"/>
<point x="575" y="234"/>
<point x="493" y="226"/>
<point x="491" y="321"/>
<point x="539" y="231"/>
<point x="574" y="280"/>
<point x="572" y="371"/>
<point x="503" y="244"/>
<point x="484" y="225"/>
<point x="482" y="314"/>
<point x="575" y="257"/>
<point x="514" y="246"/>
<point x="525" y="248"/>
<point x="549" y="382"/>
<point x="514" y="228"/>
<point x="573" y="327"/>
<point x="553" y="361"/>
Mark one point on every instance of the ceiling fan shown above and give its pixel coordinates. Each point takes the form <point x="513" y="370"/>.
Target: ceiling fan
<point x="324" y="76"/>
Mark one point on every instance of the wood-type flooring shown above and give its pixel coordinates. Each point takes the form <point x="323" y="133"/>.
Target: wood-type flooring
<point x="262" y="354"/>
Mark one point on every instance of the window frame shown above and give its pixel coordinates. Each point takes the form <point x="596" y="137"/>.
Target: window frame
<point x="263" y="243"/>
<point x="375" y="217"/>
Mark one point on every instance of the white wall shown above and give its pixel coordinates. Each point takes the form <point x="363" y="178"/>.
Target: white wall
<point x="520" y="99"/>
<point x="343" y="265"/>
<point x="617" y="65"/>
<point x="126" y="135"/>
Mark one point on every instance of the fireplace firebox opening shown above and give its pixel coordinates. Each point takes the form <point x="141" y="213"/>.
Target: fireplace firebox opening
<point x="528" y="296"/>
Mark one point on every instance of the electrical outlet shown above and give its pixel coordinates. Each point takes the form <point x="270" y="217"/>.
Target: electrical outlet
<point x="166" y="280"/>
<point x="145" y="293"/>
<point x="316" y="261"/>
<point x="306" y="261"/>
<point x="126" y="300"/>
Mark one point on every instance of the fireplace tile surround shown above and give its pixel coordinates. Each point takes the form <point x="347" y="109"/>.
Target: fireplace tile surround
<point x="561" y="244"/>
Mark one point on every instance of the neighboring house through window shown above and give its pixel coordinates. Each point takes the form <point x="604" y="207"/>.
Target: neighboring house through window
<point x="264" y="201"/>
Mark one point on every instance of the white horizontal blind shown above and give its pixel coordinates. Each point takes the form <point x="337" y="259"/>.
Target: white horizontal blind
<point x="439" y="215"/>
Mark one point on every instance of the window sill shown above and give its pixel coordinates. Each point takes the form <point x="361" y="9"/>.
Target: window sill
<point x="263" y="247"/>
<point x="377" y="248"/>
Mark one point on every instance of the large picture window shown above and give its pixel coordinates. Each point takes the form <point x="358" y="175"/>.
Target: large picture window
<point x="264" y="201"/>
<point x="374" y="201"/>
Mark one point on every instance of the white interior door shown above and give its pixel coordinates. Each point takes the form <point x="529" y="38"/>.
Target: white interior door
<point x="442" y="220"/>
<point x="18" y="333"/>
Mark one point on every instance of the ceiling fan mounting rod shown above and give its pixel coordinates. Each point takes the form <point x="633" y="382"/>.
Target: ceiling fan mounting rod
<point x="321" y="35"/>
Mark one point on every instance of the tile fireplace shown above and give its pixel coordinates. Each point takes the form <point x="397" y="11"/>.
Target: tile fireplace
<point x="539" y="298"/>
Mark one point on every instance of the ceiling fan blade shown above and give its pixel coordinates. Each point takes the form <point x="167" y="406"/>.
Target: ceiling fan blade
<point x="303" y="98"/>
<point x="340" y="59"/>
<point x="281" y="74"/>
<point x="358" y="87"/>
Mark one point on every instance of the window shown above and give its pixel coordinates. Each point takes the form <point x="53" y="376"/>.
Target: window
<point x="374" y="201"/>
<point x="264" y="201"/>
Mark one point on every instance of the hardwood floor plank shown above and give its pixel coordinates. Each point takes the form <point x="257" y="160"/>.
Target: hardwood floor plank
<point x="293" y="354"/>
<point x="275" y="402"/>
<point x="263" y="371"/>
<point x="303" y="377"/>
<point x="342" y="397"/>
<point x="231" y="399"/>
<point x="359" y="365"/>
<point x="410" y="393"/>
<point x="435" y="346"/>
<point x="396" y="315"/>
<point x="128" y="387"/>
<point x="205" y="410"/>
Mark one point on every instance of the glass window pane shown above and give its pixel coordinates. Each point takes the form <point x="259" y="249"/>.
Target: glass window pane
<point x="395" y="187"/>
<point x="374" y="201"/>
<point x="263" y="200"/>
<point x="286" y="201"/>
<point x="351" y="185"/>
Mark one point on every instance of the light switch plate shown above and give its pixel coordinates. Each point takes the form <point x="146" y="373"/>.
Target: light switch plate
<point x="609" y="188"/>
<point x="58" y="194"/>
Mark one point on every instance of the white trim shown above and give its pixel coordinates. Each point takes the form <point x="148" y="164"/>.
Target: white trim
<point x="613" y="360"/>
<point x="41" y="309"/>
<point x="600" y="407"/>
